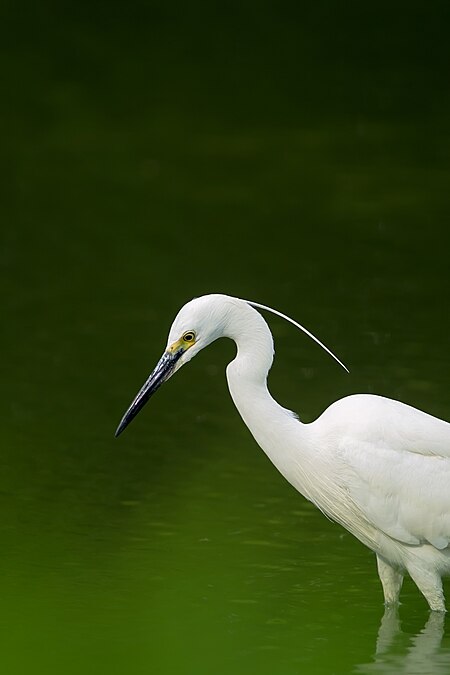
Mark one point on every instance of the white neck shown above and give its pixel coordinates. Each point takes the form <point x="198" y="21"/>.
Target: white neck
<point x="299" y="451"/>
<point x="284" y="439"/>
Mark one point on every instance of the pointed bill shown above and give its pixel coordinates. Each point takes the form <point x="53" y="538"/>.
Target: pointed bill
<point x="164" y="369"/>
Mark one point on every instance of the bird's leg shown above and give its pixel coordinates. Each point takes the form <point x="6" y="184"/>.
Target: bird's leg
<point x="430" y="585"/>
<point x="391" y="580"/>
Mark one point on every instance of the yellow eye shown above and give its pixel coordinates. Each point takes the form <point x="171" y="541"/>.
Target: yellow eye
<point x="189" y="336"/>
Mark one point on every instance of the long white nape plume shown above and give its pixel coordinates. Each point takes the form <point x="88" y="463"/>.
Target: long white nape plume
<point x="298" y="325"/>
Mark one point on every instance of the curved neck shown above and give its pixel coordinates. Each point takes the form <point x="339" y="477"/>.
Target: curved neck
<point x="247" y="380"/>
<point x="294" y="448"/>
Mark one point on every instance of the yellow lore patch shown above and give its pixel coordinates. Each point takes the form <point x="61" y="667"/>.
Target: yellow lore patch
<point x="185" y="341"/>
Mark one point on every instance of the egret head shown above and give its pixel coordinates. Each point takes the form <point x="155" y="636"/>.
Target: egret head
<point x="197" y="324"/>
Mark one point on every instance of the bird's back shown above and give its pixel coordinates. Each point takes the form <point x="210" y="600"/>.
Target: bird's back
<point x="382" y="421"/>
<point x="394" y="462"/>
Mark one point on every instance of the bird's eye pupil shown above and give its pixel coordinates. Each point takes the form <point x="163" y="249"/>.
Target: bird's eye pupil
<point x="188" y="337"/>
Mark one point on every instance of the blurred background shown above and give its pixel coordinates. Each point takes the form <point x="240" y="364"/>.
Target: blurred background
<point x="296" y="154"/>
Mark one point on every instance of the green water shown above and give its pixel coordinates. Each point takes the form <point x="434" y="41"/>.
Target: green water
<point x="295" y="156"/>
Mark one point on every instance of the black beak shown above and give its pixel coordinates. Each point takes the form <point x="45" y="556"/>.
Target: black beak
<point x="164" y="369"/>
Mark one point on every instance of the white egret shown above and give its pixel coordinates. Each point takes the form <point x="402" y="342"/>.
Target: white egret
<point x="378" y="467"/>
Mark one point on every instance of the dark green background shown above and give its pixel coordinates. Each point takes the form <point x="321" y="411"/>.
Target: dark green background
<point x="295" y="154"/>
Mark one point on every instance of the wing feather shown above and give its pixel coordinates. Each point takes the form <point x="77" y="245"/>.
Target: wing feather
<point x="395" y="464"/>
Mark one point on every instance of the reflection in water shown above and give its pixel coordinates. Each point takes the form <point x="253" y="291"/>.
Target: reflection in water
<point x="422" y="653"/>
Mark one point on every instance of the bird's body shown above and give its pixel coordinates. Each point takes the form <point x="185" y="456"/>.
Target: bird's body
<point x="378" y="467"/>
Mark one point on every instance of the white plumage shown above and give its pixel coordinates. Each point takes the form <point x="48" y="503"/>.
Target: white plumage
<point x="378" y="467"/>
